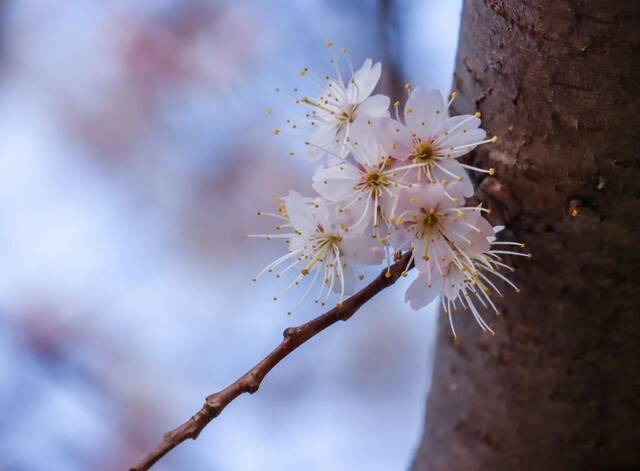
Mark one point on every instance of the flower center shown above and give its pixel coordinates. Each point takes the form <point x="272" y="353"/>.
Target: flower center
<point x="424" y="152"/>
<point x="376" y="179"/>
<point x="333" y="240"/>
<point x="431" y="221"/>
<point x="348" y="115"/>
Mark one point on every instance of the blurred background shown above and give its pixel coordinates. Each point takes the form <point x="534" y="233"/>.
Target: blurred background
<point x="135" y="151"/>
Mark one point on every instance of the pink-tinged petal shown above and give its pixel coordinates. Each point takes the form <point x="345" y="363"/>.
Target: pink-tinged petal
<point x="416" y="108"/>
<point x="365" y="147"/>
<point x="456" y="187"/>
<point x="422" y="293"/>
<point x="336" y="183"/>
<point x="376" y="106"/>
<point x="440" y="253"/>
<point x="422" y="254"/>
<point x="322" y="141"/>
<point x="359" y="215"/>
<point x="452" y="148"/>
<point x="453" y="283"/>
<point x="349" y="280"/>
<point x="469" y="231"/>
<point x="402" y="203"/>
<point x="362" y="250"/>
<point x="394" y="138"/>
<point x="299" y="211"/>
<point x="430" y="113"/>
<point x="434" y="256"/>
<point x="456" y="127"/>
<point x="432" y="196"/>
<point x="337" y="96"/>
<point x="387" y="203"/>
<point x="323" y="214"/>
<point x="479" y="238"/>
<point x="363" y="82"/>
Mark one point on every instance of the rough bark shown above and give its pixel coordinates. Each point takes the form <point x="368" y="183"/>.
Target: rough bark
<point x="557" y="387"/>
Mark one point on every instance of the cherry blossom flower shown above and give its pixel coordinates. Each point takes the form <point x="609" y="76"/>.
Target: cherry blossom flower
<point x="437" y="226"/>
<point x="468" y="280"/>
<point x="320" y="246"/>
<point x="391" y="185"/>
<point x="368" y="186"/>
<point x="340" y="106"/>
<point x="432" y="140"/>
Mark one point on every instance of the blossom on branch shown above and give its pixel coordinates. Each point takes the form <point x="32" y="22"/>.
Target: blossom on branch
<point x="388" y="186"/>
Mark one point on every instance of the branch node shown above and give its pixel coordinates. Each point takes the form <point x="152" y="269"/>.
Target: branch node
<point x="252" y="386"/>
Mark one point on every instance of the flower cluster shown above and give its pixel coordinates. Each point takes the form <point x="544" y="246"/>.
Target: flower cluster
<point x="390" y="185"/>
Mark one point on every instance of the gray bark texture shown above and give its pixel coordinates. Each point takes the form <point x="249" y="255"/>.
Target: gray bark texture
<point x="557" y="387"/>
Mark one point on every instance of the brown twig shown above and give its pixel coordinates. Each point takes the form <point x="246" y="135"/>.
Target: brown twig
<point x="250" y="382"/>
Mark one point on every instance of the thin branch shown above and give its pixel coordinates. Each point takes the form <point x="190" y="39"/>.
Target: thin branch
<point x="250" y="382"/>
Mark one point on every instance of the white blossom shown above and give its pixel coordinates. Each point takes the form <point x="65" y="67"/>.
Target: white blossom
<point x="388" y="186"/>
<point x="340" y="105"/>
<point x="433" y="140"/>
<point x="468" y="279"/>
<point x="366" y="187"/>
<point x="320" y="246"/>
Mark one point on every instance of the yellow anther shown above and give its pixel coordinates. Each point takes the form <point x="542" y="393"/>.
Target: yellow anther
<point x="407" y="86"/>
<point x="329" y="44"/>
<point x="387" y="274"/>
<point x="494" y="139"/>
<point x="276" y="131"/>
<point x="477" y="114"/>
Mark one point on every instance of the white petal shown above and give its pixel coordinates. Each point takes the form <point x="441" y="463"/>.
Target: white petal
<point x="394" y="137"/>
<point x="471" y="137"/>
<point x="349" y="280"/>
<point x="453" y="283"/>
<point x="299" y="211"/>
<point x="453" y="128"/>
<point x="363" y="250"/>
<point x="455" y="188"/>
<point x="336" y="183"/>
<point x="363" y="82"/>
<point x="428" y="112"/>
<point x="420" y="294"/>
<point x="323" y="140"/>
<point x="431" y="196"/>
<point x="364" y="145"/>
<point x="376" y="106"/>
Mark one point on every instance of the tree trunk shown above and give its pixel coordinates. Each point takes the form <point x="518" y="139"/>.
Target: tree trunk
<point x="557" y="387"/>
